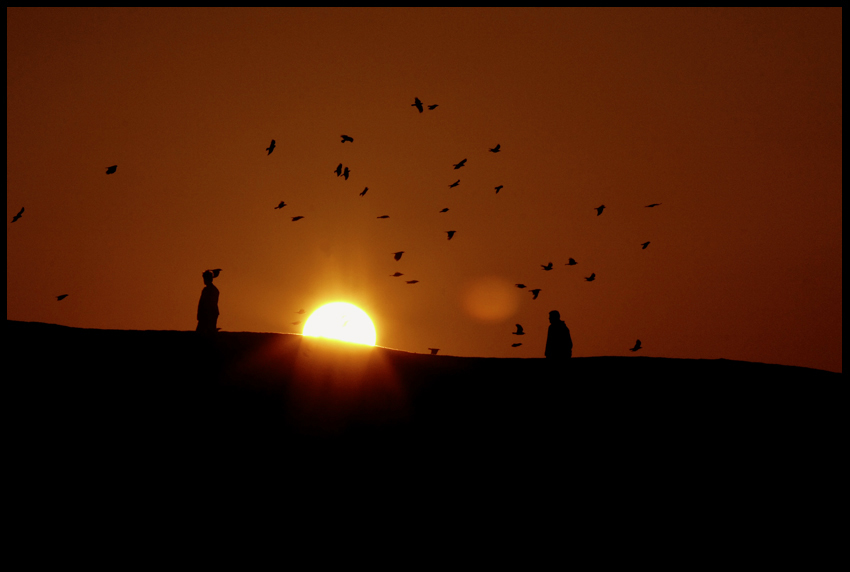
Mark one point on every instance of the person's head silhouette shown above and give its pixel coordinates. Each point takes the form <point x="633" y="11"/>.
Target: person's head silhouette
<point x="208" y="277"/>
<point x="554" y="316"/>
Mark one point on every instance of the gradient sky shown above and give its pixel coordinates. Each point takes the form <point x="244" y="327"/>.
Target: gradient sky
<point x="730" y="118"/>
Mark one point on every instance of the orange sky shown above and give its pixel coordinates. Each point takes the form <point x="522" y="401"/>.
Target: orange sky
<point x="731" y="119"/>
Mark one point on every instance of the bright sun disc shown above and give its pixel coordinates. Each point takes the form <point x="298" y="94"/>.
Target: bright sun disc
<point x="341" y="321"/>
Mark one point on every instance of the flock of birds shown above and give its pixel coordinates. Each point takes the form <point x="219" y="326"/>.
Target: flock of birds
<point x="345" y="172"/>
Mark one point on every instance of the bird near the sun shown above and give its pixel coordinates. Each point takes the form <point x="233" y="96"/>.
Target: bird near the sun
<point x="451" y="233"/>
<point x="599" y="209"/>
<point x="572" y="262"/>
<point x="519" y="331"/>
<point x="19" y="215"/>
<point x="417" y="104"/>
<point x="652" y="205"/>
<point x="636" y="348"/>
<point x="384" y="216"/>
<point x="520" y="285"/>
<point x="345" y="173"/>
<point x="299" y="217"/>
<point x="433" y="350"/>
<point x="592" y="277"/>
<point x="499" y="188"/>
<point x="412" y="281"/>
<point x="112" y="169"/>
<point x="644" y="245"/>
<point x="434" y="106"/>
<point x="347" y="138"/>
<point x="396" y="274"/>
<point x="496" y="149"/>
<point x="516" y="345"/>
<point x="546" y="267"/>
<point x="338" y="170"/>
<point x="281" y="205"/>
<point x="397" y="255"/>
<point x="296" y="323"/>
<point x="270" y="148"/>
<point x="445" y="210"/>
<point x="535" y="293"/>
<point x="459" y="165"/>
<point x="301" y="311"/>
<point x="456" y="183"/>
<point x="61" y="296"/>
<point x="363" y="192"/>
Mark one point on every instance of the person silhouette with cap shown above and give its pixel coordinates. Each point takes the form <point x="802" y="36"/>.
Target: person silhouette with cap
<point x="559" y="344"/>
<point x="208" y="305"/>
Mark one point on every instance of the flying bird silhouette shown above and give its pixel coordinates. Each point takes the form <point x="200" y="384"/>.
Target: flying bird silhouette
<point x="461" y="164"/>
<point x="345" y="173"/>
<point x="546" y="267"/>
<point x="433" y="350"/>
<point x="592" y="277"/>
<point x="396" y="274"/>
<point x="496" y="149"/>
<point x="652" y="205"/>
<point x="644" y="245"/>
<point x="347" y="138"/>
<point x="412" y="281"/>
<point x="636" y="348"/>
<point x="301" y="311"/>
<point x="384" y="216"/>
<point x="445" y="210"/>
<point x="456" y="183"/>
<point x="599" y="209"/>
<point x="397" y="255"/>
<point x="433" y="106"/>
<point x="296" y="218"/>
<point x="338" y="170"/>
<point x="417" y="104"/>
<point x="572" y="262"/>
<point x="499" y="188"/>
<point x="21" y="212"/>
<point x="296" y="323"/>
<point x="216" y="272"/>
<point x="535" y="292"/>
<point x="281" y="205"/>
<point x="363" y="192"/>
<point x="270" y="148"/>
<point x="519" y="331"/>
<point x="516" y="345"/>
<point x="520" y="285"/>
<point x="451" y="233"/>
<point x="110" y="170"/>
<point x="61" y="296"/>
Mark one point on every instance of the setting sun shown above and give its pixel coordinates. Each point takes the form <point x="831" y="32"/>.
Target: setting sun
<point x="341" y="321"/>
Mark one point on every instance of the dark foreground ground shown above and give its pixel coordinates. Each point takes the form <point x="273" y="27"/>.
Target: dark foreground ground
<point x="146" y="431"/>
<point x="171" y="390"/>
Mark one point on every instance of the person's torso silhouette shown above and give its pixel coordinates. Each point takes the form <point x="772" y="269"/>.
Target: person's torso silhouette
<point x="559" y="344"/>
<point x="208" y="305"/>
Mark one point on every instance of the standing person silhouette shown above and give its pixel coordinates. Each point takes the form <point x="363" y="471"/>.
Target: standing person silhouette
<point x="559" y="344"/>
<point x="208" y="305"/>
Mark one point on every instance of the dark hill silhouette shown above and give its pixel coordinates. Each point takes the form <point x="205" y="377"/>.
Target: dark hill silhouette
<point x="170" y="394"/>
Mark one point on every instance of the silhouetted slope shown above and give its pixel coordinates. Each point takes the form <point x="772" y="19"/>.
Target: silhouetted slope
<point x="171" y="392"/>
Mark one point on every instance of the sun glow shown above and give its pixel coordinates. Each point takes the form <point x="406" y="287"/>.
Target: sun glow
<point x="341" y="321"/>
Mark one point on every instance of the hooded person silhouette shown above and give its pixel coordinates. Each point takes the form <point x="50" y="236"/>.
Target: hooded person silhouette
<point x="559" y="344"/>
<point x="208" y="305"/>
